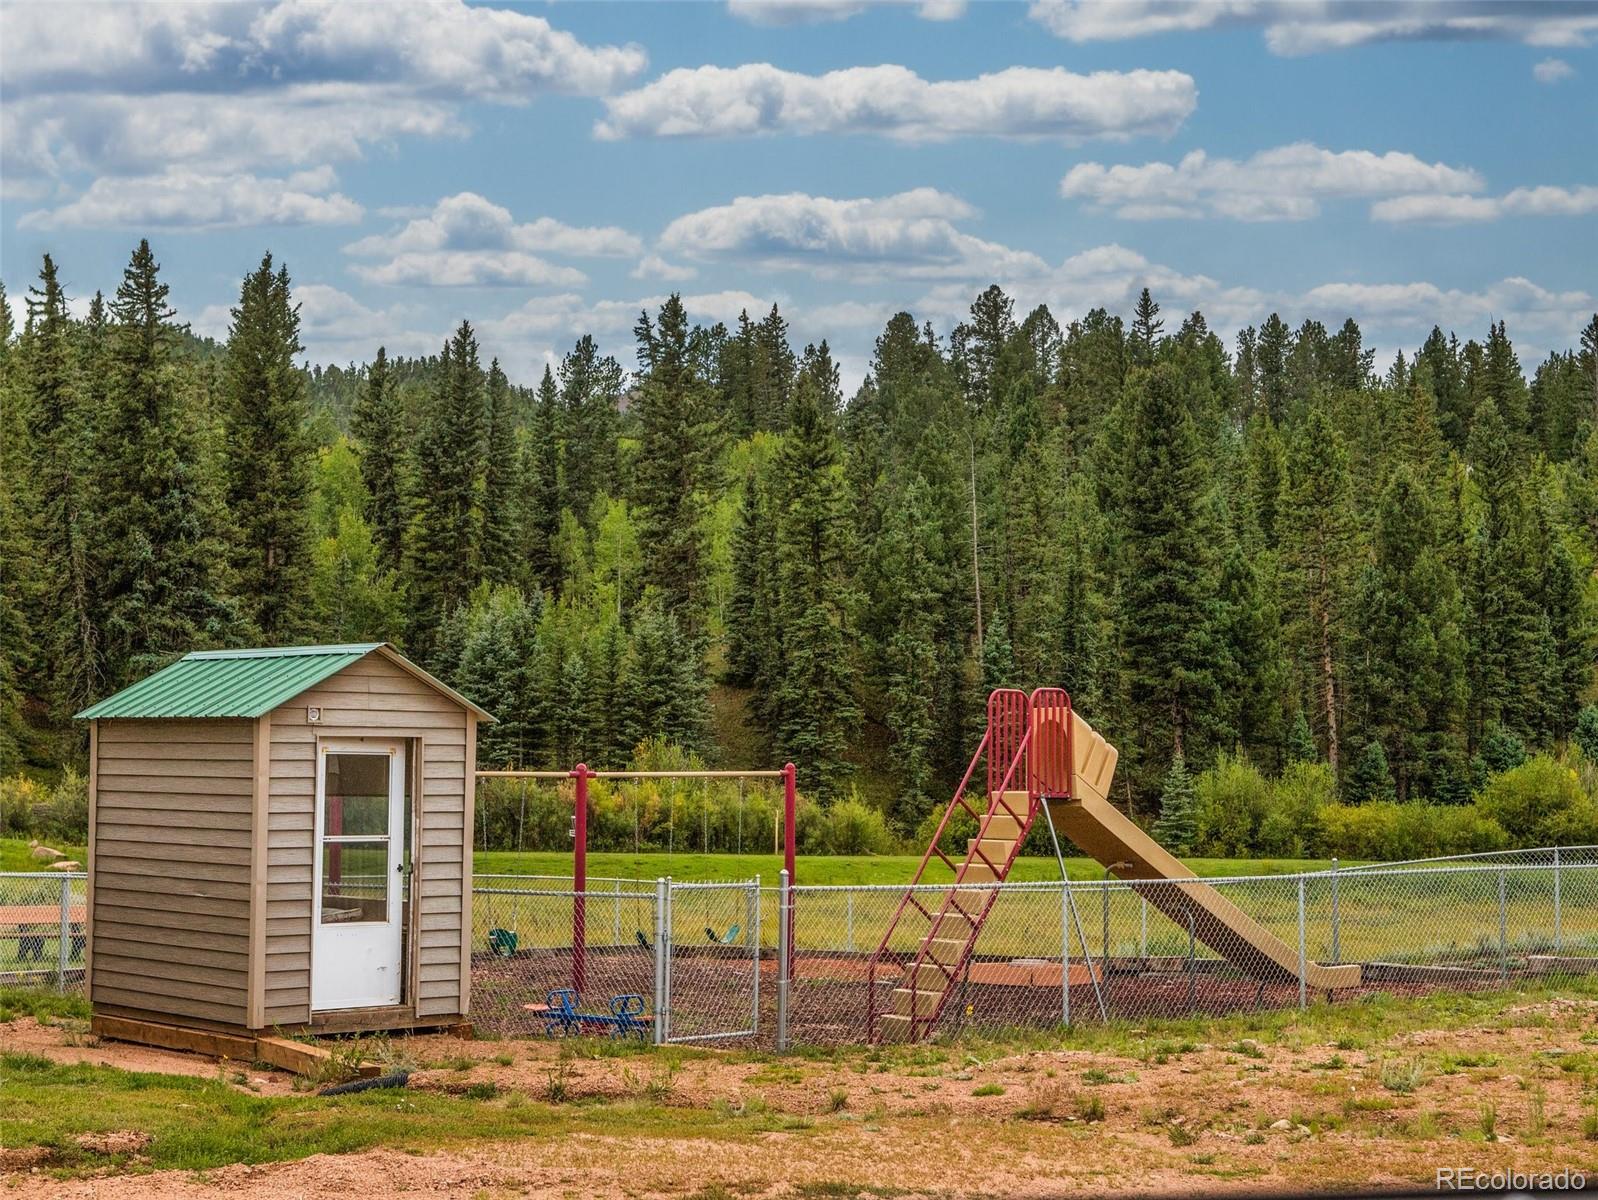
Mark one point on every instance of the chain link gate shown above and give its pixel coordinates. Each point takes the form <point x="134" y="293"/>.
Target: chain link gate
<point x="710" y="934"/>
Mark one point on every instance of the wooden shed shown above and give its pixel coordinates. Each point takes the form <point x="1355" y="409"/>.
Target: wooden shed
<point x="281" y="839"/>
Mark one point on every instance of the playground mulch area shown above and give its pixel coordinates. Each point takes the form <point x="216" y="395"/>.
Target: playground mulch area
<point x="1370" y="1097"/>
<point x="830" y="1000"/>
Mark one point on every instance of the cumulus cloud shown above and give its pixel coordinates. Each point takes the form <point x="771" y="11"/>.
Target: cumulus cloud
<point x="652" y="266"/>
<point x="893" y="101"/>
<point x="336" y="327"/>
<point x="1293" y="27"/>
<point x="1543" y="201"/>
<point x="1283" y="184"/>
<point x="814" y="12"/>
<point x="132" y="88"/>
<point x="183" y="199"/>
<point x="442" y="47"/>
<point x="1552" y="70"/>
<point x="469" y="241"/>
<point x="1541" y="315"/>
<point x="911" y="234"/>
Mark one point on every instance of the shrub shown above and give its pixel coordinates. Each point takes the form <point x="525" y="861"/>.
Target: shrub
<point x="1233" y="798"/>
<point x="1540" y="803"/>
<point x="851" y="826"/>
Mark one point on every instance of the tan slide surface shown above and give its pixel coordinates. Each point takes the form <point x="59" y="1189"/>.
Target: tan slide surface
<point x="1099" y="829"/>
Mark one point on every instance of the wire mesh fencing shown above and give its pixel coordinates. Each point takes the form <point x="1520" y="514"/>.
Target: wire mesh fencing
<point x="43" y="930"/>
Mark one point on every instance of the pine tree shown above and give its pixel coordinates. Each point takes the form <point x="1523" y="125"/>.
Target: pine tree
<point x="1317" y="538"/>
<point x="753" y="648"/>
<point x="59" y="443"/>
<point x="675" y="444"/>
<point x="498" y="513"/>
<point x="1144" y="337"/>
<point x="1300" y="741"/>
<point x="160" y="550"/>
<point x="540" y="496"/>
<point x="665" y="684"/>
<point x="1370" y="780"/>
<point x="912" y="654"/>
<point x="379" y="428"/>
<point x="1177" y="826"/>
<point x="772" y="369"/>
<point x="16" y="553"/>
<point x="816" y="708"/>
<point x="590" y="390"/>
<point x="268" y="456"/>
<point x="445" y="549"/>
<point x="1411" y="638"/>
<point x="1167" y="577"/>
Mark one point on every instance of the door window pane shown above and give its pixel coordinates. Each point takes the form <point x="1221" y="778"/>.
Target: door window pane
<point x="355" y="881"/>
<point x="356" y="800"/>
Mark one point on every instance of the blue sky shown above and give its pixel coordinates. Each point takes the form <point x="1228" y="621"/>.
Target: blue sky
<point x="547" y="169"/>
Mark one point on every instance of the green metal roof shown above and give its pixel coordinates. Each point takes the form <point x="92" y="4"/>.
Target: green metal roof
<point x="244" y="683"/>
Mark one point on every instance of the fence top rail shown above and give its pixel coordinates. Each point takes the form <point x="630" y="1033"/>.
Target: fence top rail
<point x="1479" y="855"/>
<point x="56" y="875"/>
<point x="555" y="878"/>
<point x="631" y="774"/>
<point x="551" y="894"/>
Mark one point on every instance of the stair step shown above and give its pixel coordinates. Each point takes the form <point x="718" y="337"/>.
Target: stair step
<point x="954" y="923"/>
<point x="944" y="950"/>
<point x="927" y="977"/>
<point x="893" y="1027"/>
<point x="1001" y="824"/>
<point x="996" y="850"/>
<point x="911" y="1001"/>
<point x="977" y="872"/>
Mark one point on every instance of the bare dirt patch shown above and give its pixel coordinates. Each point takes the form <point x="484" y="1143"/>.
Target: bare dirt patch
<point x="70" y="1042"/>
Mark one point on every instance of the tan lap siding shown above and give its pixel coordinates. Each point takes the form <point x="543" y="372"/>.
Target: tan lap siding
<point x="171" y="861"/>
<point x="370" y="698"/>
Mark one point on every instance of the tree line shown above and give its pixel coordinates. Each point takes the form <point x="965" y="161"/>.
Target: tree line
<point x="1275" y="551"/>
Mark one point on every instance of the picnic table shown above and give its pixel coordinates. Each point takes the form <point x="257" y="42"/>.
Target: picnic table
<point x="30" y="926"/>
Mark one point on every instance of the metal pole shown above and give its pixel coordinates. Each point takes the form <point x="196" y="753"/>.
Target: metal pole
<point x="1559" y="932"/>
<point x="849" y="927"/>
<point x="580" y="882"/>
<point x="668" y="940"/>
<point x="784" y="955"/>
<point x="1503" y="931"/>
<point x="754" y="940"/>
<point x="66" y="935"/>
<point x="1065" y="952"/>
<point x="1337" y="932"/>
<point x="1303" y="984"/>
<point x="660" y="961"/>
<point x="615" y="914"/>
<point x="1104" y="947"/>
<point x="790" y="803"/>
<point x="1143" y="929"/>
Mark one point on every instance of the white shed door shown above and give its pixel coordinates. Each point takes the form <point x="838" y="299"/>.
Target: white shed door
<point x="357" y="940"/>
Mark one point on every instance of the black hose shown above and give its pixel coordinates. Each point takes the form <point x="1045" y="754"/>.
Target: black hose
<point x="397" y="1079"/>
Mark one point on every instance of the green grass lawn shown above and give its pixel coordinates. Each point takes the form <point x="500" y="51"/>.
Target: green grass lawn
<point x="17" y="855"/>
<point x="814" y="869"/>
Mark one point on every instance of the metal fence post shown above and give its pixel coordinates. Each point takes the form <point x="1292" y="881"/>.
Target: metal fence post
<point x="1559" y="931"/>
<point x="849" y="934"/>
<point x="1503" y="928"/>
<point x="784" y="956"/>
<point x="754" y="940"/>
<point x="1065" y="952"/>
<point x="1303" y="986"/>
<point x="1337" y="932"/>
<point x="662" y="961"/>
<point x="65" y="935"/>
<point x="1143" y="928"/>
<point x="1104" y="949"/>
<point x="615" y="911"/>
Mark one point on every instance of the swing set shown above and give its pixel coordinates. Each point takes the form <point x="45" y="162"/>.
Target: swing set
<point x="582" y="773"/>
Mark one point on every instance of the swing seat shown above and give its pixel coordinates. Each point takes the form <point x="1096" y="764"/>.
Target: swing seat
<point x="725" y="939"/>
<point x="502" y="942"/>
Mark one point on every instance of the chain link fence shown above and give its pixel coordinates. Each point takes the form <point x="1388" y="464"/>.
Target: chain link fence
<point x="733" y="962"/>
<point x="43" y="929"/>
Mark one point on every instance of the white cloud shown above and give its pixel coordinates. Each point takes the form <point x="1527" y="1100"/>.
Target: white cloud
<point x="445" y="48"/>
<point x="1543" y="201"/>
<point x="652" y="266"/>
<point x="131" y="88"/>
<point x="1282" y="184"/>
<point x="336" y="327"/>
<point x="814" y="12"/>
<point x="1533" y="312"/>
<point x="911" y="234"/>
<point x="893" y="101"/>
<point x="1293" y="27"/>
<point x="1552" y="70"/>
<point x="189" y="200"/>
<point x="469" y="241"/>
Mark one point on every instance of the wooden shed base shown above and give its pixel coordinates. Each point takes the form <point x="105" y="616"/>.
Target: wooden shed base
<point x="301" y="1058"/>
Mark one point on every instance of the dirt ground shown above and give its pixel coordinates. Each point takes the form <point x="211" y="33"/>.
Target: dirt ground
<point x="1180" y="1119"/>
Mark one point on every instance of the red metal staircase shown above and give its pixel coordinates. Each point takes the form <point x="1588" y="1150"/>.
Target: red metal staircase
<point x="1027" y="745"/>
